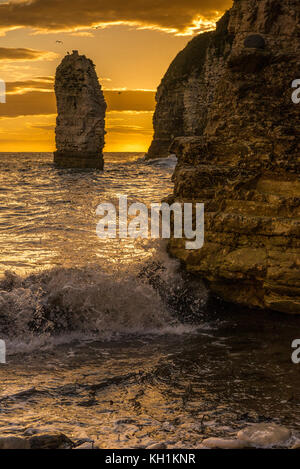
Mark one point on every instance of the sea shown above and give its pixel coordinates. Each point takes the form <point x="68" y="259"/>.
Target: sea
<point x="110" y="340"/>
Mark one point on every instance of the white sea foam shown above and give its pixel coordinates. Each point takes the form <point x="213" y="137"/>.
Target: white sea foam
<point x="61" y="305"/>
<point x="169" y="162"/>
<point x="103" y="289"/>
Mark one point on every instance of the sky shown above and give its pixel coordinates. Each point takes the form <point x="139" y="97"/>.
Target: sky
<point x="131" y="42"/>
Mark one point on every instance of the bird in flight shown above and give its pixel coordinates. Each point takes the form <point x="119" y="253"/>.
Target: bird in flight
<point x="59" y="42"/>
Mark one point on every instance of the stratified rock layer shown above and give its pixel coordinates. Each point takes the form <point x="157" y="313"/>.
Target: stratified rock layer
<point x="245" y="164"/>
<point x="181" y="98"/>
<point x="81" y="111"/>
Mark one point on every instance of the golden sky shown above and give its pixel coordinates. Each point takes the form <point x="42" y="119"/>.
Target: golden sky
<point x="132" y="43"/>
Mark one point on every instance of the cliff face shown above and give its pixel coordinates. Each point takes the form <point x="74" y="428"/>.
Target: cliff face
<point x="244" y="164"/>
<point x="81" y="111"/>
<point x="180" y="98"/>
<point x="187" y="89"/>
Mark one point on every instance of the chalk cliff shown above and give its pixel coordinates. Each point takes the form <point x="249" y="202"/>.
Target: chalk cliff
<point x="81" y="111"/>
<point x="243" y="159"/>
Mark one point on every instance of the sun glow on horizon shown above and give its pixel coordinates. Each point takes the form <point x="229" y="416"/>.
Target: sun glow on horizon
<point x="127" y="131"/>
<point x="131" y="52"/>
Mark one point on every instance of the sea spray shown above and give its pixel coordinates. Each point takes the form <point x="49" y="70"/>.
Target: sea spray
<point x="91" y="303"/>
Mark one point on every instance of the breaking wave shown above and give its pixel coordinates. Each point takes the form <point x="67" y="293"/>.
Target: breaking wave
<point x="169" y="162"/>
<point x="62" y="304"/>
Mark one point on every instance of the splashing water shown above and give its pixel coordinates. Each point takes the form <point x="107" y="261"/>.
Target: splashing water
<point x="63" y="279"/>
<point x="110" y="340"/>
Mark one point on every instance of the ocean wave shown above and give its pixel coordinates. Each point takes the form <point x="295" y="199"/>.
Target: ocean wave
<point x="170" y="162"/>
<point x="62" y="304"/>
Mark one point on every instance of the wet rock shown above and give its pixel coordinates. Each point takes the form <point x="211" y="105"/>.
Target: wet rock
<point x="264" y="435"/>
<point x="81" y="111"/>
<point x="88" y="403"/>
<point x="34" y="440"/>
<point x="31" y="431"/>
<point x="158" y="445"/>
<point x="87" y="445"/>
<point x="50" y="441"/>
<point x="26" y="393"/>
<point x="221" y="443"/>
<point x="13" y="442"/>
<point x="255" y="41"/>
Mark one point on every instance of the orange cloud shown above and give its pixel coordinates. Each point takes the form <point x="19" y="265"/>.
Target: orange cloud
<point x="11" y="54"/>
<point x="36" y="97"/>
<point x="126" y="131"/>
<point x="21" y="87"/>
<point x="176" y="16"/>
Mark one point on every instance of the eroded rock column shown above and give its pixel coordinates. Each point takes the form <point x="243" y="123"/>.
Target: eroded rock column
<point x="81" y="108"/>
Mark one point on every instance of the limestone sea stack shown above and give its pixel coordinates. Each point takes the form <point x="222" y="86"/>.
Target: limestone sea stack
<point x="244" y="162"/>
<point x="81" y="108"/>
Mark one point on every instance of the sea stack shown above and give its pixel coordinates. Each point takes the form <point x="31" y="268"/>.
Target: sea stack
<point x="81" y="108"/>
<point x="244" y="161"/>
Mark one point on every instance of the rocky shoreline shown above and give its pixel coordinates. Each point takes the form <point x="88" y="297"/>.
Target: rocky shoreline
<point x="239" y="152"/>
<point x="263" y="435"/>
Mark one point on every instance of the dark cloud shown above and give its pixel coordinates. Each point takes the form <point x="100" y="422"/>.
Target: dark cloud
<point x="36" y="97"/>
<point x="65" y="15"/>
<point x="45" y="127"/>
<point x="129" y="129"/>
<point x="12" y="54"/>
<point x="28" y="104"/>
<point x="41" y="83"/>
